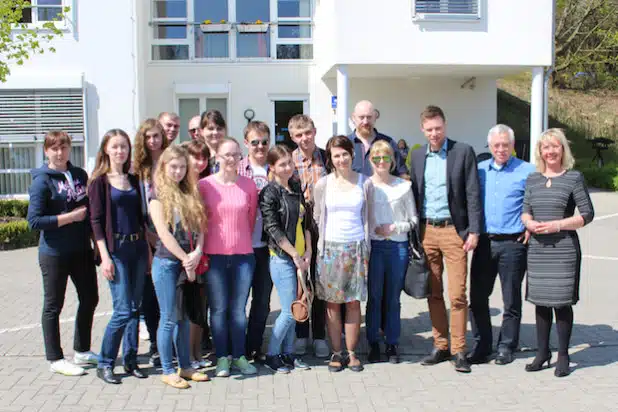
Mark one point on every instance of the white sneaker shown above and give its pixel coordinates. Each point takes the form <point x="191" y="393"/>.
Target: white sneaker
<point x="300" y="346"/>
<point x="85" y="358"/>
<point x="321" y="348"/>
<point x="64" y="367"/>
<point x="143" y="331"/>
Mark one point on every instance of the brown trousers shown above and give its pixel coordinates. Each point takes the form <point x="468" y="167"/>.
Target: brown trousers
<point x="444" y="244"/>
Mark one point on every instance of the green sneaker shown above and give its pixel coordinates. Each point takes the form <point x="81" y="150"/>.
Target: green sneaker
<point x="244" y="366"/>
<point x="223" y="367"/>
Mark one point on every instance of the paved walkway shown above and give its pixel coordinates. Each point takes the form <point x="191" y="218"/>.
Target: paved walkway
<point x="27" y="385"/>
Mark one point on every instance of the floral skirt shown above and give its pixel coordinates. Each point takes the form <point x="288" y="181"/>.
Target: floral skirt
<point x="342" y="272"/>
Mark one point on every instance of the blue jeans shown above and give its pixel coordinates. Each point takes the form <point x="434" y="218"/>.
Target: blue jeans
<point x="388" y="264"/>
<point x="283" y="273"/>
<point x="227" y="283"/>
<point x="165" y="274"/>
<point x="130" y="261"/>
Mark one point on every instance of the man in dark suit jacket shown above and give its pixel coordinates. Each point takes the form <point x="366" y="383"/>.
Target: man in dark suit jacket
<point x="446" y="188"/>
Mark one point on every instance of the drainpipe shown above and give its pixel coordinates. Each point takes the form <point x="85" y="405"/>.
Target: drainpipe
<point x="546" y="98"/>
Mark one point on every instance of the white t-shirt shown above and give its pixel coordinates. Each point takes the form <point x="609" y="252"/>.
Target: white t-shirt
<point x="344" y="221"/>
<point x="260" y="178"/>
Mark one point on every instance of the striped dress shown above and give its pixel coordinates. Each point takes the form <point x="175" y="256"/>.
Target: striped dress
<point x="554" y="260"/>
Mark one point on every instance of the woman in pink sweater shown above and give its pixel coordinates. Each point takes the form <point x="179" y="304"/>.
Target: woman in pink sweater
<point x="231" y="201"/>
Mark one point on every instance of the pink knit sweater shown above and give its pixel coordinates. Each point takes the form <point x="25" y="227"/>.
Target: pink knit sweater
<point x="231" y="215"/>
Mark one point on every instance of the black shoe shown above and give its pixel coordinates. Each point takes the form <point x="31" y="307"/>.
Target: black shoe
<point x="353" y="368"/>
<point x="107" y="375"/>
<point x="336" y="364"/>
<point x="155" y="360"/>
<point x="275" y="363"/>
<point x="134" y="370"/>
<point x="562" y="366"/>
<point x="539" y="363"/>
<point x="436" y="356"/>
<point x="374" y="353"/>
<point x="391" y="354"/>
<point x="256" y="356"/>
<point x="504" y="357"/>
<point x="461" y="363"/>
<point x="477" y="357"/>
<point x="207" y="344"/>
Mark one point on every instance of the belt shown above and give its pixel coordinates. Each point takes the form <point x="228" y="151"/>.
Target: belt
<point x="133" y="237"/>
<point x="503" y="236"/>
<point x="438" y="222"/>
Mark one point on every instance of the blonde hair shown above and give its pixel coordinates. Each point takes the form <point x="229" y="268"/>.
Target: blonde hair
<point x="142" y="157"/>
<point x="382" y="147"/>
<point x="568" y="161"/>
<point x="182" y="197"/>
<point x="301" y="122"/>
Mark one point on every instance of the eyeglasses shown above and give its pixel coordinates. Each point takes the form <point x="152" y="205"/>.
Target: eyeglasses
<point x="378" y="159"/>
<point x="263" y="142"/>
<point x="194" y="130"/>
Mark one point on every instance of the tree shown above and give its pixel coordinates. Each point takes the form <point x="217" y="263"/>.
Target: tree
<point x="586" y="41"/>
<point x="18" y="40"/>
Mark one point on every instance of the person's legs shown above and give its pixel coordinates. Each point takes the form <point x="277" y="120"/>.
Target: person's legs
<point x="394" y="278"/>
<point x="564" y="324"/>
<point x="181" y="340"/>
<point x="138" y="264"/>
<point x="512" y="269"/>
<point x="55" y="273"/>
<point x="544" y="319"/>
<point x="375" y="285"/>
<point x="352" y="330"/>
<point x="437" y="308"/>
<point x="283" y="272"/>
<point x="84" y="276"/>
<point x="150" y="310"/>
<point x="261" y="288"/>
<point x="164" y="276"/>
<point x="482" y="279"/>
<point x="241" y="273"/>
<point x="217" y="286"/>
<point x="195" y="342"/>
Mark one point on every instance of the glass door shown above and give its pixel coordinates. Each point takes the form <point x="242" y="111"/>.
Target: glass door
<point x="283" y="112"/>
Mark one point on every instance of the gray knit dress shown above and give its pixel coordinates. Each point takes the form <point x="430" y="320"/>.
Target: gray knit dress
<point x="554" y="260"/>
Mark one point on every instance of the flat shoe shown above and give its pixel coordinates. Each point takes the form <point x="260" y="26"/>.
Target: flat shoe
<point x="193" y="375"/>
<point x="175" y="381"/>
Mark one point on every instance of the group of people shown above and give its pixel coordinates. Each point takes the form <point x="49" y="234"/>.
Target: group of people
<point x="184" y="233"/>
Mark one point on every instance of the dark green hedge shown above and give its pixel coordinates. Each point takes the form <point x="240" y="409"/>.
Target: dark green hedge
<point x="17" y="234"/>
<point x="605" y="177"/>
<point x="14" y="208"/>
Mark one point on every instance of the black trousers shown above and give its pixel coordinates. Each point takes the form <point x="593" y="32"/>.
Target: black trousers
<point x="506" y="258"/>
<point x="318" y="307"/>
<point x="261" y="288"/>
<point x="150" y="310"/>
<point x="56" y="271"/>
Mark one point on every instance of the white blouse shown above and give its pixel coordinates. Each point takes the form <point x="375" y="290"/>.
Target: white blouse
<point x="394" y="204"/>
<point x="344" y="214"/>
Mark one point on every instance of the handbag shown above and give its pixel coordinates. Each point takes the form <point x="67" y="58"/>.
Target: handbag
<point x="204" y="263"/>
<point x="416" y="283"/>
<point x="301" y="307"/>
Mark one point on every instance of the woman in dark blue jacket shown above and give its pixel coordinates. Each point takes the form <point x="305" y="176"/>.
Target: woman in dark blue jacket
<point x="59" y="208"/>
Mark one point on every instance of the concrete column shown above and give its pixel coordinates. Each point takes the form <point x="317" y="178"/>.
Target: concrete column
<point x="536" y="109"/>
<point x="342" y="100"/>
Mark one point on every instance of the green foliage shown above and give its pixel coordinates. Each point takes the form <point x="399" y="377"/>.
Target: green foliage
<point x="19" y="41"/>
<point x="14" y="208"/>
<point x="605" y="177"/>
<point x="14" y="235"/>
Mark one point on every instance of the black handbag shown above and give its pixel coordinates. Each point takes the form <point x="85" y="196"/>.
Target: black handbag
<point x="416" y="283"/>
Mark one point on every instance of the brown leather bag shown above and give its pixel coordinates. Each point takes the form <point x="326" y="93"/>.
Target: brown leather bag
<point x="301" y="307"/>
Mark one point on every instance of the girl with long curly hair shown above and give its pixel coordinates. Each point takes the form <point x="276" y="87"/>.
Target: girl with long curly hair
<point x="150" y="142"/>
<point x="178" y="216"/>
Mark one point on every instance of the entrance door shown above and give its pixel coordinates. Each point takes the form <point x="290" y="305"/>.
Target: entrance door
<point x="283" y="112"/>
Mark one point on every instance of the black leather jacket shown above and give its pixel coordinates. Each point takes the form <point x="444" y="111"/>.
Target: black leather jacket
<point x="279" y="210"/>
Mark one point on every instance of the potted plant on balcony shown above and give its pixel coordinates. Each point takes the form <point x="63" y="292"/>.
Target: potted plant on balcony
<point x="256" y="27"/>
<point x="208" y="26"/>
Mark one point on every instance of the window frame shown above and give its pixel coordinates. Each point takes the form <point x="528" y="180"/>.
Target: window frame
<point x="62" y="24"/>
<point x="446" y="16"/>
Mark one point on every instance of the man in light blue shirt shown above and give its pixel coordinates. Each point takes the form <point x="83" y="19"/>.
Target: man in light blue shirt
<point x="501" y="249"/>
<point x="435" y="203"/>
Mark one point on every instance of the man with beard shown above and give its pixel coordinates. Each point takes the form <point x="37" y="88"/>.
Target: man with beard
<point x="365" y="134"/>
<point x="195" y="132"/>
<point x="170" y="122"/>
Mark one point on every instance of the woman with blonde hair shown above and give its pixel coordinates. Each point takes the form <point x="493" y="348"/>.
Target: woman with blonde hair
<point x="178" y="216"/>
<point x="394" y="216"/>
<point x="554" y="253"/>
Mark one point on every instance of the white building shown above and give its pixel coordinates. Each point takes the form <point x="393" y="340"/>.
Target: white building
<point x="121" y="61"/>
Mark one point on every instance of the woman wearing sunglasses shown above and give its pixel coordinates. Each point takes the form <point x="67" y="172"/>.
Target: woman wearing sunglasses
<point x="394" y="215"/>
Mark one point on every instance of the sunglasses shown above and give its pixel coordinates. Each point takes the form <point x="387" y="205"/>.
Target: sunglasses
<point x="255" y="143"/>
<point x="195" y="130"/>
<point x="378" y="159"/>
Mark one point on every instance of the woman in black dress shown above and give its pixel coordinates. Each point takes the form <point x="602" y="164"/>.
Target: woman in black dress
<point x="554" y="255"/>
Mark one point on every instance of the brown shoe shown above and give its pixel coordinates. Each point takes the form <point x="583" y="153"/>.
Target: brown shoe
<point x="193" y="375"/>
<point x="175" y="381"/>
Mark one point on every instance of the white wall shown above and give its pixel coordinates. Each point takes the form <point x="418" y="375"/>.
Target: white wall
<point x="509" y="32"/>
<point x="469" y="113"/>
<point x="100" y="46"/>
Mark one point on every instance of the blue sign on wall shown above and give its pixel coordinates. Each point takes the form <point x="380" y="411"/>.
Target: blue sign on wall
<point x="333" y="102"/>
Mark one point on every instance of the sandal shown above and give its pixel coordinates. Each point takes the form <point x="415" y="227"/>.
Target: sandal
<point x="175" y="381"/>
<point x="336" y="363"/>
<point x="356" y="367"/>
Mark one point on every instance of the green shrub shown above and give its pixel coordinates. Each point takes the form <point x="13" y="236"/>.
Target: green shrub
<point x="17" y="234"/>
<point x="605" y="177"/>
<point x="14" y="208"/>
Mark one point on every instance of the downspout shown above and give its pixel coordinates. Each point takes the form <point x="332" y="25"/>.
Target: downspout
<point x="546" y="79"/>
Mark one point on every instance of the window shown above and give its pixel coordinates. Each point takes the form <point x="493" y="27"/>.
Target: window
<point x="177" y="35"/>
<point x="41" y="11"/>
<point x="445" y="8"/>
<point x="189" y="106"/>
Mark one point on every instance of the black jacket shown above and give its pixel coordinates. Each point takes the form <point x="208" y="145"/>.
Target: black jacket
<point x="279" y="210"/>
<point x="462" y="183"/>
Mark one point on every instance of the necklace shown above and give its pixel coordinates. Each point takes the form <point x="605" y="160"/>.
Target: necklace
<point x="548" y="182"/>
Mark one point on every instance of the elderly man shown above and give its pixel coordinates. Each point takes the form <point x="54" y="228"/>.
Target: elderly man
<point x="195" y="132"/>
<point x="364" y="117"/>
<point x="446" y="189"/>
<point x="501" y="249"/>
<point x="170" y="122"/>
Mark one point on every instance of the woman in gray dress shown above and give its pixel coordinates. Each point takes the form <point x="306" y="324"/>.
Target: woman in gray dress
<point x="554" y="254"/>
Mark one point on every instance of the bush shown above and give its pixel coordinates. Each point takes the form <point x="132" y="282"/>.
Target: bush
<point x="14" y="208"/>
<point x="605" y="177"/>
<point x="17" y="234"/>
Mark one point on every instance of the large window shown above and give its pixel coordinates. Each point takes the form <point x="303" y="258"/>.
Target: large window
<point x="193" y="105"/>
<point x="243" y="29"/>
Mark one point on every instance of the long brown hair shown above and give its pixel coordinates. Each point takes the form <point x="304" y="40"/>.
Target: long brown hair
<point x="199" y="150"/>
<point x="142" y="157"/>
<point x="102" y="165"/>
<point x="182" y="197"/>
<point x="276" y="153"/>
